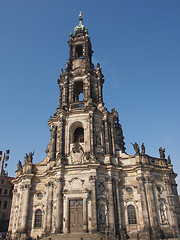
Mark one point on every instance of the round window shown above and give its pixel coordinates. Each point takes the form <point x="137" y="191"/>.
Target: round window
<point x="129" y="189"/>
<point x="159" y="188"/>
<point x="39" y="194"/>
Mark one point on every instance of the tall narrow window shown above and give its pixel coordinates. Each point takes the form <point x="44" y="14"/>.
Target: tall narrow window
<point x="79" y="51"/>
<point x="131" y="214"/>
<point x="79" y="135"/>
<point x="5" y="205"/>
<point x="38" y="219"/>
<point x="78" y="91"/>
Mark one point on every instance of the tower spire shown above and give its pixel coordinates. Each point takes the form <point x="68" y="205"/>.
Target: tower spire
<point x="80" y="27"/>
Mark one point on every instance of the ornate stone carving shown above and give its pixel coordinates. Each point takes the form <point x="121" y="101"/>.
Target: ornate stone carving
<point x="77" y="155"/>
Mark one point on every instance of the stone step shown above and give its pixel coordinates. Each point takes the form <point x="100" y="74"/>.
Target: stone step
<point x="78" y="236"/>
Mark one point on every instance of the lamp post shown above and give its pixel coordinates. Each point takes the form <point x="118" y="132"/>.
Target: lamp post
<point x="4" y="157"/>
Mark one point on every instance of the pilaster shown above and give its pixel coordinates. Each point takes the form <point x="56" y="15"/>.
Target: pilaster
<point x="93" y="205"/>
<point x="111" y="210"/>
<point x="49" y="205"/>
<point x="59" y="206"/>
<point x="26" y="194"/>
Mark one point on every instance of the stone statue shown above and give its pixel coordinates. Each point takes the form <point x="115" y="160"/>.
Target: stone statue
<point x="163" y="213"/>
<point x="26" y="158"/>
<point x="162" y="153"/>
<point x="115" y="115"/>
<point x="98" y="140"/>
<point x="29" y="158"/>
<point x="19" y="165"/>
<point x="48" y="148"/>
<point x="169" y="160"/>
<point x="136" y="147"/>
<point x="142" y="149"/>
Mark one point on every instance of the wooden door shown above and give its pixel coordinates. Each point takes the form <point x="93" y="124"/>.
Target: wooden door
<point x="76" y="215"/>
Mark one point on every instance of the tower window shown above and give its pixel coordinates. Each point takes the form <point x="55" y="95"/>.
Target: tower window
<point x="79" y="51"/>
<point x="131" y="214"/>
<point x="78" y="91"/>
<point x="38" y="219"/>
<point x="5" y="205"/>
<point x="79" y="135"/>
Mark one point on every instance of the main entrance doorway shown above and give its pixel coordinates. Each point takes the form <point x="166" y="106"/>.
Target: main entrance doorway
<point x="76" y="215"/>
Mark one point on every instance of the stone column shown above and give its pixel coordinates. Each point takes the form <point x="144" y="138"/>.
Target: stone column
<point x="60" y="95"/>
<point x="60" y="137"/>
<point x="85" y="215"/>
<point x="66" y="215"/>
<point x="113" y="144"/>
<point x="107" y="145"/>
<point x="88" y="86"/>
<point x="91" y="132"/>
<point x="49" y="206"/>
<point x="119" y="207"/>
<point x="59" y="206"/>
<point x="65" y="91"/>
<point x="151" y="208"/>
<point x="53" y="142"/>
<point x="99" y="91"/>
<point x="111" y="213"/>
<point x="171" y="204"/>
<point x="25" y="205"/>
<point x="93" y="229"/>
<point x="12" y="220"/>
<point x="145" y="225"/>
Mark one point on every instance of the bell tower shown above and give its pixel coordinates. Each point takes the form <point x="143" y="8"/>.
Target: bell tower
<point x="81" y="84"/>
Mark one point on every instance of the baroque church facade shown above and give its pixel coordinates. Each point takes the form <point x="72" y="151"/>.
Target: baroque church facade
<point x="87" y="184"/>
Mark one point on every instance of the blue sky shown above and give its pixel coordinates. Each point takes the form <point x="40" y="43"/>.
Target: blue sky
<point x="136" y="42"/>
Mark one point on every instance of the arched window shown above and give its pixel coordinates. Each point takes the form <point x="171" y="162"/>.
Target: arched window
<point x="38" y="218"/>
<point x="79" y="51"/>
<point x="79" y="135"/>
<point x="131" y="214"/>
<point x="78" y="91"/>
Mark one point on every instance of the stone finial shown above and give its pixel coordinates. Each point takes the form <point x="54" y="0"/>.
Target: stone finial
<point x="19" y="166"/>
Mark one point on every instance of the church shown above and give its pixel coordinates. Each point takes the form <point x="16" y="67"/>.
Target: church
<point x="88" y="186"/>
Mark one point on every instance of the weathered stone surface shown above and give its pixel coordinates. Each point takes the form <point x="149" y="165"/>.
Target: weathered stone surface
<point x="88" y="183"/>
